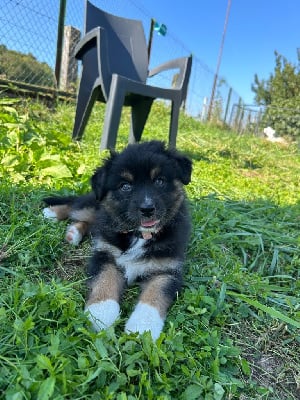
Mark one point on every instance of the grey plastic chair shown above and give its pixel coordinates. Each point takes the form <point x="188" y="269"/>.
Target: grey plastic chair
<point x="115" y="70"/>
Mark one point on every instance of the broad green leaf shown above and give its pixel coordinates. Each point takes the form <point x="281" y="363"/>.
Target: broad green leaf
<point x="192" y="392"/>
<point x="245" y="367"/>
<point x="10" y="160"/>
<point x="92" y="376"/>
<point x="50" y="157"/>
<point x="218" y="391"/>
<point x="14" y="394"/>
<point x="44" y="362"/>
<point x="101" y="348"/>
<point x="46" y="389"/>
<point x="58" y="171"/>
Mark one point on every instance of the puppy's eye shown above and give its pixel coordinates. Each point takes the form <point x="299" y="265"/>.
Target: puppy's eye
<point x="160" y="181"/>
<point x="125" y="187"/>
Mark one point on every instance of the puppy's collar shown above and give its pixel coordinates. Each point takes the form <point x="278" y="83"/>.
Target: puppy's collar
<point x="139" y="235"/>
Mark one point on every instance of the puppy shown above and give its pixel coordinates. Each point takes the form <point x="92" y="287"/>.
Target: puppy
<point x="140" y="225"/>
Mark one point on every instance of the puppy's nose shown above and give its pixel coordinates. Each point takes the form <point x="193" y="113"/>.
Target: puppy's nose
<point x="147" y="208"/>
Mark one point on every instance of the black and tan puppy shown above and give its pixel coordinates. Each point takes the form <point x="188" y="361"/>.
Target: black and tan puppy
<point x="140" y="226"/>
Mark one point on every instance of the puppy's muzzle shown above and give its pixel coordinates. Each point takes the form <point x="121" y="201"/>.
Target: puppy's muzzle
<point x="147" y="208"/>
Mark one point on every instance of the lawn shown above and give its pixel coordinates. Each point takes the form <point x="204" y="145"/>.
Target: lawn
<point x="234" y="331"/>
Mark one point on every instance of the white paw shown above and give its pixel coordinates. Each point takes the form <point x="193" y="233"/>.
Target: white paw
<point x="102" y="315"/>
<point x="73" y="236"/>
<point x="49" y="214"/>
<point x="145" y="318"/>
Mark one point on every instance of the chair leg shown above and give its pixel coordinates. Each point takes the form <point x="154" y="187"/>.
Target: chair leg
<point x="112" y="115"/>
<point x="139" y="115"/>
<point x="174" y="123"/>
<point x="85" y="101"/>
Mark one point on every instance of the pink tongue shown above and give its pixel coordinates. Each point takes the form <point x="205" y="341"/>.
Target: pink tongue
<point x="148" y="224"/>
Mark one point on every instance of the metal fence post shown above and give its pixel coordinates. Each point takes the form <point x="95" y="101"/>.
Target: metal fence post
<point x="60" y="39"/>
<point x="241" y="116"/>
<point x="227" y="105"/>
<point x="212" y="96"/>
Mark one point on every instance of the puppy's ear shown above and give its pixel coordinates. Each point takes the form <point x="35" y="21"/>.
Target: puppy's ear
<point x="99" y="179"/>
<point x="184" y="166"/>
<point x="98" y="182"/>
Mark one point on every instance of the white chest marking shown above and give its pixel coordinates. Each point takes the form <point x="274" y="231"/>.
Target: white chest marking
<point x="132" y="262"/>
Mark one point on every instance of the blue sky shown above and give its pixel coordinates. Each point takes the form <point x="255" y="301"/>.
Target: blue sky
<point x="256" y="28"/>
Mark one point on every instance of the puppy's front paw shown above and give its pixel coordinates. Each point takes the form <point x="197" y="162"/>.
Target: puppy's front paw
<point x="145" y="318"/>
<point x="50" y="214"/>
<point x="73" y="236"/>
<point x="102" y="315"/>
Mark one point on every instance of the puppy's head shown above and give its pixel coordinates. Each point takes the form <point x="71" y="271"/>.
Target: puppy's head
<point x="142" y="187"/>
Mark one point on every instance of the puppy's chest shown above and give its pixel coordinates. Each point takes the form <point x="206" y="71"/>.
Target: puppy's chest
<point x="132" y="261"/>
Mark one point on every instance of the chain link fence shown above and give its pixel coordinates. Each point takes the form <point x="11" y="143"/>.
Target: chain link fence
<point x="37" y="38"/>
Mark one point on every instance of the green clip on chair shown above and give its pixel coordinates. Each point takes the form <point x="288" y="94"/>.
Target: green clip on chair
<point x="115" y="69"/>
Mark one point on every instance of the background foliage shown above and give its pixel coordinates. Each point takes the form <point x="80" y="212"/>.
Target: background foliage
<point x="17" y="66"/>
<point x="281" y="93"/>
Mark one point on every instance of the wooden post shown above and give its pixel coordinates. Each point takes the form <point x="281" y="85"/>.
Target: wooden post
<point x="69" y="65"/>
<point x="238" y="113"/>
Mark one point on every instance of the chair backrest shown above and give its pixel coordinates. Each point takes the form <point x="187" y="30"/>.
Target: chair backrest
<point x="125" y="40"/>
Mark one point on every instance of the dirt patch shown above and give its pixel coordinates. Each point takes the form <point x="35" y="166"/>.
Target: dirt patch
<point x="273" y="356"/>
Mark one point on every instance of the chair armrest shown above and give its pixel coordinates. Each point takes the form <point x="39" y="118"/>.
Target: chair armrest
<point x="86" y="42"/>
<point x="184" y="65"/>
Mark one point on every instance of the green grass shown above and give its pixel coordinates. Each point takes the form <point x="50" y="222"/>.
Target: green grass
<point x="234" y="331"/>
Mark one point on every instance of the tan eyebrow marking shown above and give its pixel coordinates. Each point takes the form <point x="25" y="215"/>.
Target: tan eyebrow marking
<point x="127" y="175"/>
<point x="154" y="172"/>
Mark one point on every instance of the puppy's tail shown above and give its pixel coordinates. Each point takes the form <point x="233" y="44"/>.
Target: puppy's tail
<point x="58" y="201"/>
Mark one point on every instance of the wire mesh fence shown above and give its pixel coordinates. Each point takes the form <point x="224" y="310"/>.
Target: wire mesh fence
<point x="254" y="119"/>
<point x="37" y="40"/>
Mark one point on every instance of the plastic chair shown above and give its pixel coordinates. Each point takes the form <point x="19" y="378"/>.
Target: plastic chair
<point x="115" y="70"/>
